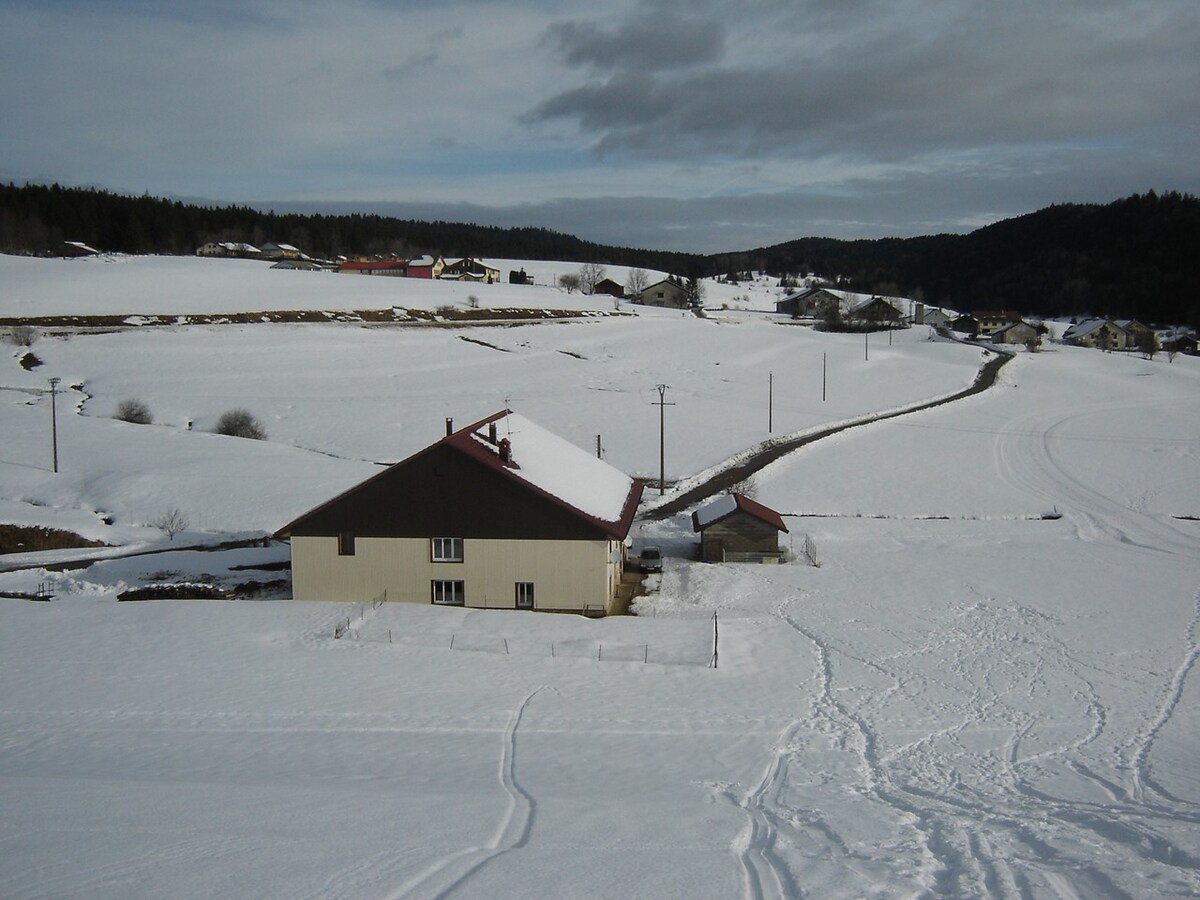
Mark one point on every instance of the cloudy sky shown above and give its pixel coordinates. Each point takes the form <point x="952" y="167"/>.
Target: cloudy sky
<point x="675" y="124"/>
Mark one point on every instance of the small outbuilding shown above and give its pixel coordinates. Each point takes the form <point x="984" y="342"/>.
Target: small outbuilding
<point x="735" y="528"/>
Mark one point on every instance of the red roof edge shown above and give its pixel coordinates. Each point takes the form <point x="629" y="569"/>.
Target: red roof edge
<point x="461" y="441"/>
<point x="751" y="508"/>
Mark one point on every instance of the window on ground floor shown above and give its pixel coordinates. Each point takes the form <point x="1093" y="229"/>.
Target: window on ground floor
<point x="345" y="543"/>
<point x="449" y="593"/>
<point x="524" y="595"/>
<point x="444" y="549"/>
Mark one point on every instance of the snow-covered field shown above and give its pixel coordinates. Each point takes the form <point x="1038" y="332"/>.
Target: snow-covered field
<point x="964" y="699"/>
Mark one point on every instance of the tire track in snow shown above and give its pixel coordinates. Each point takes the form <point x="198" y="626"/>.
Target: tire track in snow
<point x="512" y="832"/>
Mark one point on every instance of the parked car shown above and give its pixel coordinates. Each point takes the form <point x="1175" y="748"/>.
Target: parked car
<point x="651" y="559"/>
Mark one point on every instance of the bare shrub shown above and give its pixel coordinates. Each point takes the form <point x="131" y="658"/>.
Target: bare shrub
<point x="240" y="423"/>
<point x="472" y="301"/>
<point x="747" y="487"/>
<point x="133" y="411"/>
<point x="22" y="335"/>
<point x="171" y="522"/>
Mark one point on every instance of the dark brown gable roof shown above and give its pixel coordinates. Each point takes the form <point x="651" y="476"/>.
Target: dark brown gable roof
<point x="459" y="488"/>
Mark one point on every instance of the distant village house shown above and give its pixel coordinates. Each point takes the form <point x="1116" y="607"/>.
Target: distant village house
<point x="469" y="270"/>
<point x="665" y="293"/>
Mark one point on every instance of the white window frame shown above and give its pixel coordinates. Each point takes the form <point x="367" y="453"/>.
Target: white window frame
<point x="524" y="592"/>
<point x="446" y="549"/>
<point x="441" y="589"/>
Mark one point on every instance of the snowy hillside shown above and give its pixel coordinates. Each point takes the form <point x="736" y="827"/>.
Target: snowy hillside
<point x="966" y="697"/>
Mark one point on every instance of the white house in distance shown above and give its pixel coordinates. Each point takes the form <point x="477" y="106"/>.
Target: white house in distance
<point x="501" y="514"/>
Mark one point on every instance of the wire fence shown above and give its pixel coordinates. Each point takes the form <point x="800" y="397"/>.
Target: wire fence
<point x="694" y="646"/>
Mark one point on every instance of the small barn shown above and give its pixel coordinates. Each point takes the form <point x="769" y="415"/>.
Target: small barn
<point x="735" y="528"/>
<point x="610" y="287"/>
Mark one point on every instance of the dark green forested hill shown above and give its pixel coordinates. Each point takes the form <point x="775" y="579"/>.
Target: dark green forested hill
<point x="34" y="218"/>
<point x="1133" y="258"/>
<point x="1130" y="258"/>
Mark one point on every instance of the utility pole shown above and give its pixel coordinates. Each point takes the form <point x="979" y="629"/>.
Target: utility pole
<point x="770" y="402"/>
<point x="54" y="420"/>
<point x="866" y="345"/>
<point x="662" y="441"/>
<point x="824" y="359"/>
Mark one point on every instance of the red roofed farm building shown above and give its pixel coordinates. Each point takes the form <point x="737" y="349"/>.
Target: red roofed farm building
<point x="501" y="514"/>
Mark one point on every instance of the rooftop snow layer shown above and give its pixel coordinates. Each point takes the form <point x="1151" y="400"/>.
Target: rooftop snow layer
<point x="563" y="470"/>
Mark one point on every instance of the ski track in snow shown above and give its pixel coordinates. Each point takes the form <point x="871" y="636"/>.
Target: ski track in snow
<point x="764" y="874"/>
<point x="512" y="832"/>
<point x="998" y="835"/>
<point x="1139" y="764"/>
<point x="1026" y="456"/>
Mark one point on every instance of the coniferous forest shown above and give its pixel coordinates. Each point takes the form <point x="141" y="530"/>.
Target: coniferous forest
<point x="1133" y="258"/>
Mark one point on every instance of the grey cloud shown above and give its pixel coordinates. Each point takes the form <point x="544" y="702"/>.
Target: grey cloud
<point x="411" y="66"/>
<point x="652" y="41"/>
<point x="903" y="204"/>
<point x="983" y="77"/>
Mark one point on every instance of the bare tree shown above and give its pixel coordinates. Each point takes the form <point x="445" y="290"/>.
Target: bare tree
<point x="636" y="282"/>
<point x="171" y="522"/>
<point x="590" y="275"/>
<point x="569" y="282"/>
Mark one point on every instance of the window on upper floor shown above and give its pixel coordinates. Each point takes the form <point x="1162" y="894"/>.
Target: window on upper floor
<point x="444" y="549"/>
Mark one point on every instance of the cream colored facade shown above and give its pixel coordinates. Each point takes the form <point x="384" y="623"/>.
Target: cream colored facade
<point x="566" y="575"/>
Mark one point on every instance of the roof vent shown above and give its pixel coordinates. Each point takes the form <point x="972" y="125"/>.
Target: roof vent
<point x="492" y="432"/>
<point x="449" y="426"/>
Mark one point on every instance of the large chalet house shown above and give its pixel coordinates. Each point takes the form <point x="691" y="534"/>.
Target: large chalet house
<point x="229" y="250"/>
<point x="1106" y="334"/>
<point x="469" y="269"/>
<point x="846" y="306"/>
<point x="501" y="514"/>
<point x="281" y="251"/>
